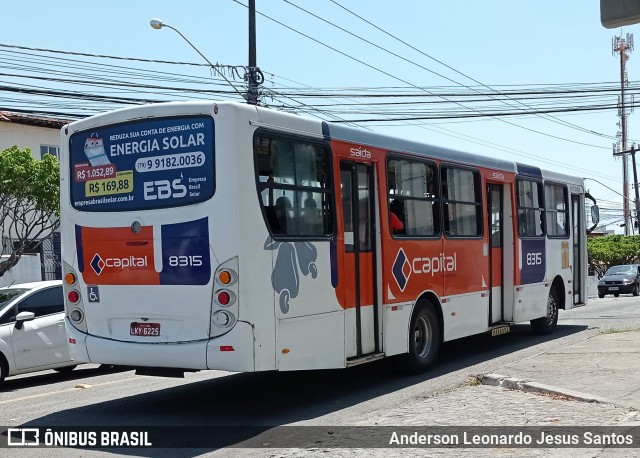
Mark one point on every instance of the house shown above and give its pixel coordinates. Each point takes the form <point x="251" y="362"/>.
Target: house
<point x="42" y="136"/>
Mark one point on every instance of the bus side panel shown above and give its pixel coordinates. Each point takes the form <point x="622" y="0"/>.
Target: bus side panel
<point x="465" y="307"/>
<point x="248" y="230"/>
<point x="311" y="342"/>
<point x="396" y="328"/>
<point x="559" y="263"/>
<point x="310" y="324"/>
<point x="531" y="301"/>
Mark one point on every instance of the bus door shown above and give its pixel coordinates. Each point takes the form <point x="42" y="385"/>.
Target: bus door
<point x="358" y="207"/>
<point x="576" y="230"/>
<point x="500" y="252"/>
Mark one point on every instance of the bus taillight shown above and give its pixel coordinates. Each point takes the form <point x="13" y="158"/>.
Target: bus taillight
<point x="227" y="277"/>
<point x="224" y="319"/>
<point x="73" y="296"/>
<point x="76" y="315"/>
<point x="70" y="279"/>
<point x="225" y="298"/>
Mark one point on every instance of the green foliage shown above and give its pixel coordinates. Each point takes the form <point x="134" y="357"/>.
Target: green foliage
<point x="612" y="250"/>
<point x="32" y="181"/>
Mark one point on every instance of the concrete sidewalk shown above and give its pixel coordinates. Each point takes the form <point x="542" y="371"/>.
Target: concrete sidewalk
<point x="602" y="368"/>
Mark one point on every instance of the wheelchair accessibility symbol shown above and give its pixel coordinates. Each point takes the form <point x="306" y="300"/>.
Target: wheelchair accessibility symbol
<point x="93" y="293"/>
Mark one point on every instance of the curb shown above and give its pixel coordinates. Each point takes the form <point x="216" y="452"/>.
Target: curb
<point x="512" y="383"/>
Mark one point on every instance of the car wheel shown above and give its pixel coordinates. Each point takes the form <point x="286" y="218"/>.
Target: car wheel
<point x="424" y="339"/>
<point x="65" y="369"/>
<point x="635" y="291"/>
<point x="4" y="369"/>
<point x="546" y="324"/>
<point x="601" y="296"/>
<point x="616" y="295"/>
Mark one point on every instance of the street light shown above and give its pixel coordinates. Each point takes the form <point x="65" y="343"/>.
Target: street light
<point x="157" y="24"/>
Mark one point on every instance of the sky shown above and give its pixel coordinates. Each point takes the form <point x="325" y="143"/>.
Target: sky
<point x="330" y="47"/>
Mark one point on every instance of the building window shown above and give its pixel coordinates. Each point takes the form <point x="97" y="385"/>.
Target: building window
<point x="48" y="149"/>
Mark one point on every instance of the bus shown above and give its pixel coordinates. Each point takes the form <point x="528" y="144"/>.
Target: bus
<point x="204" y="235"/>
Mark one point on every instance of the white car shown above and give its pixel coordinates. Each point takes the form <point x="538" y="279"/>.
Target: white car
<point x="32" y="333"/>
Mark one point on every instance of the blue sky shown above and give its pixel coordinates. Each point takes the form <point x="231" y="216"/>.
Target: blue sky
<point x="495" y="42"/>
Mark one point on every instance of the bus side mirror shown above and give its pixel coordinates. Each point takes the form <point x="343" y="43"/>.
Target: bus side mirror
<point x="595" y="212"/>
<point x="616" y="13"/>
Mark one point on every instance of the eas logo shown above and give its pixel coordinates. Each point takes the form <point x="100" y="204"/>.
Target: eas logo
<point x="164" y="189"/>
<point x="97" y="264"/>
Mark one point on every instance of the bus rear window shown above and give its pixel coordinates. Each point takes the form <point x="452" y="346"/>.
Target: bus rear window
<point x="142" y="165"/>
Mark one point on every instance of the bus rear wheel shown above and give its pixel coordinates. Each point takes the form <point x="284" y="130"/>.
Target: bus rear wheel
<point x="546" y="324"/>
<point x="424" y="338"/>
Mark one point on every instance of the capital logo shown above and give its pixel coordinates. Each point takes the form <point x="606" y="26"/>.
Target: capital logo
<point x="97" y="264"/>
<point x="401" y="269"/>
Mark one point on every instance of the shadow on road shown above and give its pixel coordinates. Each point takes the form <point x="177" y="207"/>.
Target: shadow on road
<point x="274" y="398"/>
<point x="15" y="383"/>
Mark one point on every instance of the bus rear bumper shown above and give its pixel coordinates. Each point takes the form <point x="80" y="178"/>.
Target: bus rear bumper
<point x="231" y="352"/>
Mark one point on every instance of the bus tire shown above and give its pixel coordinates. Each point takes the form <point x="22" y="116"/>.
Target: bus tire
<point x="424" y="339"/>
<point x="4" y="368"/>
<point x="546" y="324"/>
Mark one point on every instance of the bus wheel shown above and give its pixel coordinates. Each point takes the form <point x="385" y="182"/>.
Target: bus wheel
<point x="424" y="338"/>
<point x="546" y="324"/>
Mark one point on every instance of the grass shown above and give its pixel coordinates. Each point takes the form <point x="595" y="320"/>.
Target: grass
<point x="474" y="382"/>
<point x="616" y="331"/>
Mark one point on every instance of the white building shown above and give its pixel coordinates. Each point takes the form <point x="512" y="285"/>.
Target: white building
<point x="41" y="135"/>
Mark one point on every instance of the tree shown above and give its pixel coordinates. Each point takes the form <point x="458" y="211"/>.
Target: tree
<point x="29" y="201"/>
<point x="613" y="250"/>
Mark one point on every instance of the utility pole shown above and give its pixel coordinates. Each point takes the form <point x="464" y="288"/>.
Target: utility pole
<point x="632" y="151"/>
<point x="622" y="46"/>
<point x="254" y="75"/>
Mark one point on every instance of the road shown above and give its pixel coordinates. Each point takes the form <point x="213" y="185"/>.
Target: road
<point x="88" y="396"/>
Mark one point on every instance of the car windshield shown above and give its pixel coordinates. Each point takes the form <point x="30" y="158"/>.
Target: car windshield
<point x="618" y="270"/>
<point x="8" y="294"/>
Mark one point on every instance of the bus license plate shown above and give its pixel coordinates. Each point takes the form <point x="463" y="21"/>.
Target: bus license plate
<point x="145" y="329"/>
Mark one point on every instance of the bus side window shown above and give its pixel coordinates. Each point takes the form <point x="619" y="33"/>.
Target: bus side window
<point x="282" y="211"/>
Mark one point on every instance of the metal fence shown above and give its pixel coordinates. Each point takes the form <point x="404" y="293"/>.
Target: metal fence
<point x="49" y="251"/>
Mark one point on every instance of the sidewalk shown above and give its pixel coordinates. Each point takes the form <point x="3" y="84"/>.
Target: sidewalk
<point x="603" y="368"/>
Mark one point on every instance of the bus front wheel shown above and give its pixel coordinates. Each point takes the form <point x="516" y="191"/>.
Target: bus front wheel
<point x="424" y="338"/>
<point x="546" y="324"/>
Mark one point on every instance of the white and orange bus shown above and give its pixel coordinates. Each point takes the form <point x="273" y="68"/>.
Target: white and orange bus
<point x="235" y="237"/>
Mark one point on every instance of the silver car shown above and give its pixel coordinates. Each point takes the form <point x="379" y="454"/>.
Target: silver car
<point x="32" y="333"/>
